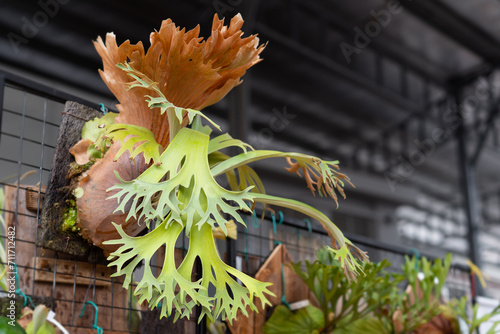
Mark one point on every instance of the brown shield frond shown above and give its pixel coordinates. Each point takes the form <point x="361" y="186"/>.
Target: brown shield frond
<point x="191" y="72"/>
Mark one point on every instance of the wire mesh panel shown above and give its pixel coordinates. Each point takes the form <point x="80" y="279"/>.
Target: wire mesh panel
<point x="303" y="241"/>
<point x="82" y="294"/>
<point x="28" y="151"/>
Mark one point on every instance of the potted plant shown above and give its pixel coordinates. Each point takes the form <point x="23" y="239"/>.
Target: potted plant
<point x="338" y="301"/>
<point x="374" y="303"/>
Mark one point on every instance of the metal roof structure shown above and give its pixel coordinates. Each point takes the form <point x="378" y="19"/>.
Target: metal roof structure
<point x="403" y="93"/>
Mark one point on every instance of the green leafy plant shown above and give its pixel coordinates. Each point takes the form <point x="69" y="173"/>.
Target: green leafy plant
<point x="178" y="192"/>
<point x="406" y="311"/>
<point x="39" y="324"/>
<point x="341" y="301"/>
<point x="421" y="302"/>
<point x="474" y="321"/>
<point x="307" y="320"/>
<point x="166" y="165"/>
<point x="374" y="303"/>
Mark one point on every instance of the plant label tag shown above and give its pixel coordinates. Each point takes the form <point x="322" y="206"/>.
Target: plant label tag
<point x="298" y="305"/>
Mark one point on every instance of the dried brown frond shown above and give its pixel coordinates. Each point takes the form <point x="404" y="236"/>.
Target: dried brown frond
<point x="191" y="72"/>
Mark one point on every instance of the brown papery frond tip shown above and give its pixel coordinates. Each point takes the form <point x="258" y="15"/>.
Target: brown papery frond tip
<point x="359" y="254"/>
<point x="191" y="72"/>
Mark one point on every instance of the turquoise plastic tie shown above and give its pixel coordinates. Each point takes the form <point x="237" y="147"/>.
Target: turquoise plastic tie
<point x="273" y="218"/>
<point x="309" y="226"/>
<point x="417" y="255"/>
<point x="283" y="296"/>
<point x="103" y="108"/>
<point x="94" y="326"/>
<point x="20" y="292"/>
<point x="255" y="220"/>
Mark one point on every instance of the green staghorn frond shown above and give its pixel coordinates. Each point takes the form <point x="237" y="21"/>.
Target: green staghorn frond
<point x="181" y="191"/>
<point x="320" y="175"/>
<point x="170" y="288"/>
<point x="246" y="175"/>
<point x="135" y="139"/>
<point x="342" y="249"/>
<point x="230" y="297"/>
<point x="189" y="190"/>
<point x="173" y="288"/>
<point x="224" y="141"/>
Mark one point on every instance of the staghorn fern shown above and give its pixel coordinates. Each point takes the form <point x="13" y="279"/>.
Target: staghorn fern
<point x="180" y="191"/>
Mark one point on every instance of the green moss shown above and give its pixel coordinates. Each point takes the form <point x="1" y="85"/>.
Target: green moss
<point x="95" y="153"/>
<point x="76" y="169"/>
<point x="70" y="217"/>
<point x="5" y="304"/>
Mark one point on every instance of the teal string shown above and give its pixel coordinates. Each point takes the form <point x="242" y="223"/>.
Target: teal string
<point x="94" y="326"/>
<point x="103" y="108"/>
<point x="309" y="226"/>
<point x="283" y="296"/>
<point x="255" y="220"/>
<point x="273" y="218"/>
<point x="20" y="292"/>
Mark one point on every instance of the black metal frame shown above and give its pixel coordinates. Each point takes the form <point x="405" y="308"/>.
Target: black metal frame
<point x="356" y="239"/>
<point x="445" y="20"/>
<point x="43" y="90"/>
<point x="460" y="29"/>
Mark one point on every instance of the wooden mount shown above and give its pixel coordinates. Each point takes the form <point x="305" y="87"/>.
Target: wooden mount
<point x="59" y="189"/>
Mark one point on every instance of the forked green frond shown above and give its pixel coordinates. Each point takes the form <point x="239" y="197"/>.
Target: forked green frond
<point x="224" y="141"/>
<point x="135" y="139"/>
<point x="189" y="190"/>
<point x="170" y="288"/>
<point x="180" y="190"/>
<point x="173" y="287"/>
<point x="230" y="297"/>
<point x="342" y="249"/>
<point x="320" y="175"/>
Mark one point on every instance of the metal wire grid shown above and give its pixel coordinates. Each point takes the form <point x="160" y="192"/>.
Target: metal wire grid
<point x="23" y="151"/>
<point x="302" y="242"/>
